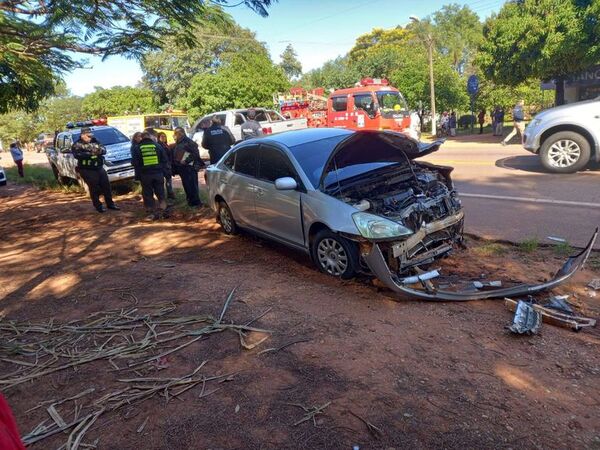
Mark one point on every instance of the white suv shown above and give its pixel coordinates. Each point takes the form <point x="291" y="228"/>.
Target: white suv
<point x="567" y="137"/>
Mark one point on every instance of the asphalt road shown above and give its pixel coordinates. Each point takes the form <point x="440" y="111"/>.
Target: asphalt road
<point x="508" y="195"/>
<point x="506" y="192"/>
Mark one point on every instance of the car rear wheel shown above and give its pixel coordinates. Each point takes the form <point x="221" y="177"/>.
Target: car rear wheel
<point x="226" y="219"/>
<point x="334" y="255"/>
<point x="565" y="152"/>
<point x="60" y="179"/>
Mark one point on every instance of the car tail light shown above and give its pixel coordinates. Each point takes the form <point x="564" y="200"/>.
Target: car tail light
<point x="267" y="130"/>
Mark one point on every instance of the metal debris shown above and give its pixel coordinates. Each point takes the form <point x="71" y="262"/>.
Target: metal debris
<point x="553" y="317"/>
<point x="557" y="239"/>
<point x="484" y="284"/>
<point x="526" y="320"/>
<point x="594" y="284"/>
<point x="559" y="302"/>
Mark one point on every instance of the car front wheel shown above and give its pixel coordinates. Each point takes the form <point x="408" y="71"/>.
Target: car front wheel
<point x="565" y="152"/>
<point x="226" y="219"/>
<point x="334" y="255"/>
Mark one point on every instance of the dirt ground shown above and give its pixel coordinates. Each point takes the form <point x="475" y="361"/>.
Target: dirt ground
<point x="444" y="375"/>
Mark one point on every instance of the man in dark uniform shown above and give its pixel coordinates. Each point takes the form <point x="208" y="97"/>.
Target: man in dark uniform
<point x="151" y="163"/>
<point x="89" y="154"/>
<point x="251" y="128"/>
<point x="186" y="164"/>
<point x="217" y="140"/>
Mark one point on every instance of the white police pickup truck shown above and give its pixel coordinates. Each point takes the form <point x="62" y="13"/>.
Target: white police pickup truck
<point x="117" y="159"/>
<point x="270" y="120"/>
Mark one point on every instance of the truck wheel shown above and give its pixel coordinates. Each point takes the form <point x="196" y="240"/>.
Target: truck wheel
<point x="63" y="181"/>
<point x="83" y="184"/>
<point x="565" y="152"/>
<point x="226" y="219"/>
<point x="334" y="255"/>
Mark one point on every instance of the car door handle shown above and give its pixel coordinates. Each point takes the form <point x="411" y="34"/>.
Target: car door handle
<point x="289" y="125"/>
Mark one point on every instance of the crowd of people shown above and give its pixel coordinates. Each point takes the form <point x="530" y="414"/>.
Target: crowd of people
<point x="156" y="162"/>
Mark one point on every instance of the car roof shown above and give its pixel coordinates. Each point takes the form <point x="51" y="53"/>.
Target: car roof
<point x="293" y="138"/>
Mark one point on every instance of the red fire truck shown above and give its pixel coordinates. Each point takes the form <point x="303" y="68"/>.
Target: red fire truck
<point x="372" y="104"/>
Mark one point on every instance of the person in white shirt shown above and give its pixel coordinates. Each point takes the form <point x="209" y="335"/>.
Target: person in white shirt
<point x="17" y="156"/>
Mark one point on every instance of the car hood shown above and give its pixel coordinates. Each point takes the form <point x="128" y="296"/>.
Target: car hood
<point x="571" y="107"/>
<point x="369" y="146"/>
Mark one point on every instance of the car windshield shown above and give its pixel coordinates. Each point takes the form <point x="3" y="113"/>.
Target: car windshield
<point x="106" y="136"/>
<point x="391" y="103"/>
<point x="312" y="156"/>
<point x="180" y="121"/>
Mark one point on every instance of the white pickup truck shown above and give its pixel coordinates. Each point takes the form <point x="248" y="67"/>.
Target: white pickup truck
<point x="271" y="122"/>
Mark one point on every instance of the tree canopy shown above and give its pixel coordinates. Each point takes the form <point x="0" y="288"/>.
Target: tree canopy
<point x="247" y="79"/>
<point x="536" y="39"/>
<point x="119" y="100"/>
<point x="38" y="39"/>
<point x="289" y="62"/>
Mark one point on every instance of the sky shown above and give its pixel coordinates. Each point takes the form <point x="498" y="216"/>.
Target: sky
<point x="319" y="30"/>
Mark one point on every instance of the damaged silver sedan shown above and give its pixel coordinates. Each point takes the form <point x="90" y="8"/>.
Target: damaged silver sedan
<point x="355" y="201"/>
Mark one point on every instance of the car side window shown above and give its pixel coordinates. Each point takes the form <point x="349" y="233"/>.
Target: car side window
<point x="274" y="116"/>
<point x="230" y="161"/>
<point x="339" y="103"/>
<point x="246" y="161"/>
<point x="274" y="164"/>
<point x="239" y="119"/>
<point x="365" y="102"/>
<point x="261" y="116"/>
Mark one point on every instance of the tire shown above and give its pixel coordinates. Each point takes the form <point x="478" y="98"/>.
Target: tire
<point x="83" y="184"/>
<point x="565" y="152"/>
<point x="334" y="255"/>
<point x="3" y="183"/>
<point x="225" y="218"/>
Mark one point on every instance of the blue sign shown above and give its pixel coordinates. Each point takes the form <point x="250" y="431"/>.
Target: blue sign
<point x="473" y="85"/>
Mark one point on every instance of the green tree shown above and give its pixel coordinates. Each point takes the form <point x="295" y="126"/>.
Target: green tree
<point x="118" y="100"/>
<point x="168" y="72"/>
<point x="246" y="80"/>
<point x="289" y="63"/>
<point x="378" y="37"/>
<point x="543" y="39"/>
<point x="39" y="40"/>
<point x="333" y="74"/>
<point x="457" y="34"/>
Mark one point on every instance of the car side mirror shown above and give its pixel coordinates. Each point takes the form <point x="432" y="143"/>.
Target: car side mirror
<point x="286" y="184"/>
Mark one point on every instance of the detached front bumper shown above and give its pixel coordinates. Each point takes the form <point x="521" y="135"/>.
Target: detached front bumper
<point x="376" y="262"/>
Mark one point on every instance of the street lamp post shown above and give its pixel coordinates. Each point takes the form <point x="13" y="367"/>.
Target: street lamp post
<point x="429" y="41"/>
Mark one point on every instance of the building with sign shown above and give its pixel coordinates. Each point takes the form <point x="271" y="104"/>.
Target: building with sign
<point x="583" y="86"/>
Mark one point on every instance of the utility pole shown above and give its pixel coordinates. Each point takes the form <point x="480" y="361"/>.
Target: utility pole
<point x="429" y="42"/>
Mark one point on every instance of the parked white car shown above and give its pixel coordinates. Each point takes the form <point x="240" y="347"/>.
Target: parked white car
<point x="567" y="137"/>
<point x="271" y="121"/>
<point x="2" y="177"/>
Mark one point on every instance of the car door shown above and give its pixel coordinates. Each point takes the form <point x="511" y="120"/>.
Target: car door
<point x="238" y="185"/>
<point x="277" y="212"/>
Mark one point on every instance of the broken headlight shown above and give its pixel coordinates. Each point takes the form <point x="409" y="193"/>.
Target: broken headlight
<point x="371" y="226"/>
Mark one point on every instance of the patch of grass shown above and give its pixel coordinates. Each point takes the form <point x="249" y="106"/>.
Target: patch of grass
<point x="593" y="263"/>
<point x="40" y="177"/>
<point x="563" y="249"/>
<point x="529" y="245"/>
<point x="491" y="249"/>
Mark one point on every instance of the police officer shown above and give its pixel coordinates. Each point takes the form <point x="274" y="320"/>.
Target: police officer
<point x="217" y="140"/>
<point x="186" y="164"/>
<point x="89" y="154"/>
<point x="251" y="128"/>
<point x="150" y="163"/>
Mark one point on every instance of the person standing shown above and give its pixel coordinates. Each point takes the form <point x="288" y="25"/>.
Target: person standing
<point x="186" y="164"/>
<point x="17" y="156"/>
<point x="150" y="161"/>
<point x="519" y="123"/>
<point x="499" y="121"/>
<point x="452" y="124"/>
<point x="89" y="154"/>
<point x="251" y="128"/>
<point x="481" y="119"/>
<point x="493" y="116"/>
<point x="217" y="139"/>
<point x="162" y="141"/>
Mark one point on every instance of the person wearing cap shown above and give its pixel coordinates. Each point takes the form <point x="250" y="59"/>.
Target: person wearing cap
<point x="251" y="128"/>
<point x="150" y="162"/>
<point x="89" y="154"/>
<point x="187" y="163"/>
<point x="217" y="140"/>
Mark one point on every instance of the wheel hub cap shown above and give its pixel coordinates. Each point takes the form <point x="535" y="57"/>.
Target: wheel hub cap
<point x="564" y="153"/>
<point x="332" y="257"/>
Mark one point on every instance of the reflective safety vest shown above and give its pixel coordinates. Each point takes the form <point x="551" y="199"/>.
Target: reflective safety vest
<point x="92" y="162"/>
<point x="149" y="155"/>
